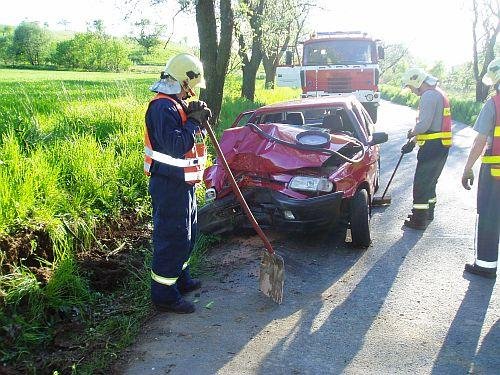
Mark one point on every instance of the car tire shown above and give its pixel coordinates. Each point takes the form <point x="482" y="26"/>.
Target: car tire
<point x="360" y="219"/>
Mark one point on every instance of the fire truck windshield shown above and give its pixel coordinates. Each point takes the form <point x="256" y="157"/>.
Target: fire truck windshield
<point x="343" y="52"/>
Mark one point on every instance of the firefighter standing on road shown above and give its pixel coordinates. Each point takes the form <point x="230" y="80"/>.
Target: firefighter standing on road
<point x="174" y="158"/>
<point x="487" y="142"/>
<point x="433" y="134"/>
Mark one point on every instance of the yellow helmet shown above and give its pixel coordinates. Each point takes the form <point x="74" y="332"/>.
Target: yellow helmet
<point x="492" y="75"/>
<point x="186" y="69"/>
<point x="414" y="77"/>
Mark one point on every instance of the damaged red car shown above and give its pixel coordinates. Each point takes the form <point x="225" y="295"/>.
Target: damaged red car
<point x="301" y="165"/>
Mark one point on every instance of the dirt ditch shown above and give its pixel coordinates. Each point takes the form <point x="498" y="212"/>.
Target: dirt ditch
<point x="107" y="265"/>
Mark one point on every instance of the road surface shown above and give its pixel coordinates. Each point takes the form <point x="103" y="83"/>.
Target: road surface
<point x="403" y="306"/>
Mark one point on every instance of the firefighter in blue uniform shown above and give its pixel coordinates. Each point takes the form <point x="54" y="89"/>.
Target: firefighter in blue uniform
<point x="487" y="143"/>
<point x="175" y="155"/>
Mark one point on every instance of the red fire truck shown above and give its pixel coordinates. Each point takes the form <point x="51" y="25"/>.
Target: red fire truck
<point x="335" y="64"/>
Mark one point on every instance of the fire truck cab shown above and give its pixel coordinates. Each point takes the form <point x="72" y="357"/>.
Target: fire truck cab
<point x="335" y="64"/>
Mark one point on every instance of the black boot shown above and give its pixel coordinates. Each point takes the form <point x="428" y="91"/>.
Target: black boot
<point x="181" y="306"/>
<point x="417" y="219"/>
<point x="430" y="213"/>
<point x="489" y="273"/>
<point x="189" y="286"/>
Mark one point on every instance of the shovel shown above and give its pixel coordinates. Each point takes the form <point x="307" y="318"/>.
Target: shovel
<point x="272" y="266"/>
<point x="386" y="200"/>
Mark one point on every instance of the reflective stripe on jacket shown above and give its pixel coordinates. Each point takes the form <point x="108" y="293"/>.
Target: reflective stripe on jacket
<point x="194" y="160"/>
<point x="445" y="133"/>
<point x="492" y="155"/>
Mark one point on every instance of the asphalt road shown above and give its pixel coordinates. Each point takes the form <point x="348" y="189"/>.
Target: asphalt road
<point x="403" y="306"/>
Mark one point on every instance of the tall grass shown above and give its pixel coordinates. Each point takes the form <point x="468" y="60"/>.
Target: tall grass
<point x="71" y="159"/>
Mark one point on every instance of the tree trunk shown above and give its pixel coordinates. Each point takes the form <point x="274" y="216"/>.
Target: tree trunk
<point x="250" y="66"/>
<point x="270" y="69"/>
<point x="213" y="53"/>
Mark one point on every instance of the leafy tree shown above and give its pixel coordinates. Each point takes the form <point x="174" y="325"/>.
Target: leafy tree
<point x="6" y="38"/>
<point x="485" y="28"/>
<point x="148" y="34"/>
<point x="31" y="42"/>
<point x="284" y="22"/>
<point x="396" y="61"/>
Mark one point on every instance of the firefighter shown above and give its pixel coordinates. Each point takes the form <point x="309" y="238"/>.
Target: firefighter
<point x="432" y="132"/>
<point x="175" y="155"/>
<point x="487" y="142"/>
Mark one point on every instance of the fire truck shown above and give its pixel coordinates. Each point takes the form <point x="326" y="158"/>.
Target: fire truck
<point x="335" y="64"/>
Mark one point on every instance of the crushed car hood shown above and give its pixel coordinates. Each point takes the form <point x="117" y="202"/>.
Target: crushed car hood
<point x="246" y="150"/>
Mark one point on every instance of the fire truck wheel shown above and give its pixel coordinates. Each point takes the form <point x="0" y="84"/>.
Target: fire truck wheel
<point x="360" y="219"/>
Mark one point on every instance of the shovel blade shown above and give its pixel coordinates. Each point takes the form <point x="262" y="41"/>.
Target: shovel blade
<point x="382" y="201"/>
<point x="272" y="276"/>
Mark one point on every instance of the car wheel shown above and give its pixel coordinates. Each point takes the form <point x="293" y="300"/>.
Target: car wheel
<point x="360" y="219"/>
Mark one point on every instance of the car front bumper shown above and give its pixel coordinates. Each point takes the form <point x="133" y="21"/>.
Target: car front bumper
<point x="271" y="209"/>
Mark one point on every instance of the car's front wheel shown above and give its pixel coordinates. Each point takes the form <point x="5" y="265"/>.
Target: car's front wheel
<point x="360" y="219"/>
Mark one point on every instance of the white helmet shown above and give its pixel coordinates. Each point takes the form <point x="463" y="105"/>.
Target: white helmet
<point x="492" y="75"/>
<point x="186" y="69"/>
<point x="414" y="77"/>
<point x="183" y="69"/>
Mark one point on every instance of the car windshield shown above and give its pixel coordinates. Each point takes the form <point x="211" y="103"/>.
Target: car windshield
<point x="338" y="52"/>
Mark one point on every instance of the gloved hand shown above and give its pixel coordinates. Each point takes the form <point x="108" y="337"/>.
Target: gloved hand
<point x="467" y="179"/>
<point x="410" y="134"/>
<point x="196" y="105"/>
<point x="200" y="116"/>
<point x="408" y="147"/>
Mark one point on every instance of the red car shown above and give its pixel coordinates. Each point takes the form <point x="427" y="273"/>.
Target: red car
<point x="301" y="165"/>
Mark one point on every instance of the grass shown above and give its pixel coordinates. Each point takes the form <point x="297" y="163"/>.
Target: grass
<point x="71" y="165"/>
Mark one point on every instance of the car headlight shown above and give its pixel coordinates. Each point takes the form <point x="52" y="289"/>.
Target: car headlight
<point x="369" y="97"/>
<point x="210" y="195"/>
<point x="305" y="183"/>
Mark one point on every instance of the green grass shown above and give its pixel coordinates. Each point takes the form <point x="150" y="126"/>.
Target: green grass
<point x="71" y="162"/>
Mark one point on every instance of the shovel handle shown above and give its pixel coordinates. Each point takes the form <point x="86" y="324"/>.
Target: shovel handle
<point x="236" y="189"/>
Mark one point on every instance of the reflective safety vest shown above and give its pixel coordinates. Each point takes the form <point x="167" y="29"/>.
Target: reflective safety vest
<point x="194" y="160"/>
<point x="493" y="153"/>
<point x="445" y="133"/>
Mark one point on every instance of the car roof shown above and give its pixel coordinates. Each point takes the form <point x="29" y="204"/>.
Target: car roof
<point x="337" y="101"/>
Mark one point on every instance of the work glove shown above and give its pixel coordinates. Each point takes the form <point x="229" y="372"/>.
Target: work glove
<point x="200" y="115"/>
<point x="196" y="105"/>
<point x="467" y="179"/>
<point x="408" y="147"/>
<point x="410" y="134"/>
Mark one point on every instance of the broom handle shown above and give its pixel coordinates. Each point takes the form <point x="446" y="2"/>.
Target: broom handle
<point x="393" y="173"/>
<point x="236" y="189"/>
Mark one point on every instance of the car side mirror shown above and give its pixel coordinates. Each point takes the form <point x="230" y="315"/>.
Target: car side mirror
<point x="378" y="138"/>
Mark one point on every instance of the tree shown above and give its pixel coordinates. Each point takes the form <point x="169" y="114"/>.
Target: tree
<point x="485" y="28"/>
<point x="283" y="26"/>
<point x="215" y="49"/>
<point x="395" y="62"/>
<point x="148" y="34"/>
<point x="31" y="42"/>
<point x="253" y="12"/>
<point x="6" y="37"/>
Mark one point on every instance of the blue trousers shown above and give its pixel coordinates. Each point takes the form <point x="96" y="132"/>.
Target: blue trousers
<point x="174" y="235"/>
<point x="488" y="209"/>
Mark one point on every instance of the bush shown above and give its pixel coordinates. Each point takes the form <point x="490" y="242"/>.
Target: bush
<point x="462" y="110"/>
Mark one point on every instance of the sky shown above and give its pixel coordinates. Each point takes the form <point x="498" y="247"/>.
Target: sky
<point x="434" y="30"/>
